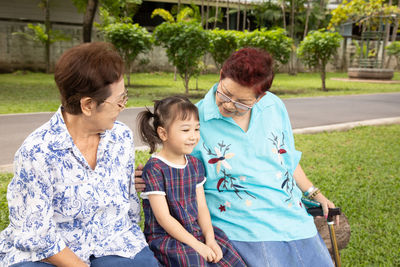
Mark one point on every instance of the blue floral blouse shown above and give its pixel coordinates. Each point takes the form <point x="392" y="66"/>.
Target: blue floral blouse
<point x="56" y="200"/>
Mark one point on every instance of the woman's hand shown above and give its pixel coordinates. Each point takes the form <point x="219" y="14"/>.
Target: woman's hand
<point x="217" y="250"/>
<point x="205" y="251"/>
<point x="326" y="204"/>
<point x="139" y="182"/>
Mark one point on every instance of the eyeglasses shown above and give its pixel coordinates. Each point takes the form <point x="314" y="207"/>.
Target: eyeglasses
<point x="121" y="103"/>
<point x="238" y="105"/>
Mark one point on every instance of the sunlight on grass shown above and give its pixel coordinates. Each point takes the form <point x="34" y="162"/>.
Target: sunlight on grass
<point x="37" y="92"/>
<point x="359" y="171"/>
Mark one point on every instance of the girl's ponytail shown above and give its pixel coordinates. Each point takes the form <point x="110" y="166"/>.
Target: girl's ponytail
<point x="146" y="129"/>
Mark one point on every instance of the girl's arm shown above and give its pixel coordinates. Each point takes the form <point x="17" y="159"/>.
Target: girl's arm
<point x="304" y="184"/>
<point x="204" y="220"/>
<point x="160" y="209"/>
<point x="65" y="257"/>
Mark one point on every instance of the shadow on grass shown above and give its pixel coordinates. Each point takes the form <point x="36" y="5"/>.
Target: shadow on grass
<point x="287" y="92"/>
<point x="303" y="91"/>
<point x="139" y="86"/>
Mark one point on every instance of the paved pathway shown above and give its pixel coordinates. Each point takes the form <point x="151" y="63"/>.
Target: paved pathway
<point x="304" y="113"/>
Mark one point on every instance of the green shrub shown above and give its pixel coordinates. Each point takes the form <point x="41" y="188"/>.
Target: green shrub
<point x="222" y="44"/>
<point x="274" y="41"/>
<point x="317" y="49"/>
<point x="185" y="43"/>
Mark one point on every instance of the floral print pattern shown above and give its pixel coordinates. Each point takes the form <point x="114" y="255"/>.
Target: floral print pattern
<point x="56" y="200"/>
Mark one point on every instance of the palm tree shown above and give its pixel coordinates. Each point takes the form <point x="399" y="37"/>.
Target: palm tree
<point x="216" y="14"/>
<point x="244" y="15"/>
<point x="292" y="70"/>
<point x="238" y="16"/>
<point x="202" y="12"/>
<point x="227" y="14"/>
<point x="207" y="14"/>
<point x="282" y="2"/>
<point x="394" y="34"/>
<point x="307" y="18"/>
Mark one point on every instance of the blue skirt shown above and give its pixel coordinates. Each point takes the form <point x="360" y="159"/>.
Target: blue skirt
<point x="305" y="252"/>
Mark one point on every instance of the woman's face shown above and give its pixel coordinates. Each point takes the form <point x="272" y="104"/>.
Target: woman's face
<point x="109" y="110"/>
<point x="234" y="100"/>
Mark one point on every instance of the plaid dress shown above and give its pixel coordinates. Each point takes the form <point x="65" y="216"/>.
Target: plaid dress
<point x="178" y="184"/>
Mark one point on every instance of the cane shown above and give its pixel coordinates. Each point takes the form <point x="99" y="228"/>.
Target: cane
<point x="317" y="211"/>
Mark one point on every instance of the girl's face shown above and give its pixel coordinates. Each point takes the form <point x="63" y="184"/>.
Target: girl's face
<point x="182" y="136"/>
<point x="233" y="99"/>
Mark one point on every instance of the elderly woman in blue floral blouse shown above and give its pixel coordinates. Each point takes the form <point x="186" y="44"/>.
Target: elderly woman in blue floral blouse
<point x="72" y="201"/>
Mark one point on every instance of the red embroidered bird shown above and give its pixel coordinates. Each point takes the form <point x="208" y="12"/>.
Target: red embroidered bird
<point x="221" y="159"/>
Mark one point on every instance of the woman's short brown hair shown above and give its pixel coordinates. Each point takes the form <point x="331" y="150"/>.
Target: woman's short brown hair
<point x="87" y="70"/>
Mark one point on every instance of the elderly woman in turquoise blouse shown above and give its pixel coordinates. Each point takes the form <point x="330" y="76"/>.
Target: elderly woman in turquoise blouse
<point x="254" y="180"/>
<point x="72" y="201"/>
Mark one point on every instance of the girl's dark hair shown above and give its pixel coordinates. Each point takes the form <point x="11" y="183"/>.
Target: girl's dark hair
<point x="165" y="112"/>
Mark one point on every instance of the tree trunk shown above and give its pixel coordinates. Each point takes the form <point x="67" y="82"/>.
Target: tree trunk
<point x="175" y="71"/>
<point x="322" y="7"/>
<point x="48" y="29"/>
<point x="323" y="77"/>
<point x="283" y="14"/>
<point x="179" y="6"/>
<point x="216" y="14"/>
<point x="186" y="80"/>
<point x="238" y="17"/>
<point x="307" y="19"/>
<point x="292" y="9"/>
<point x="227" y="15"/>
<point x="88" y="18"/>
<point x="344" y="55"/>
<point x="292" y="67"/>
<point x="202" y="13"/>
<point x="386" y="41"/>
<point x="244" y="15"/>
<point x="128" y="72"/>
<point x="207" y="13"/>
<point x="394" y="34"/>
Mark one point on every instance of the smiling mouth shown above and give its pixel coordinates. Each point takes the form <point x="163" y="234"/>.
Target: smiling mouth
<point x="228" y="111"/>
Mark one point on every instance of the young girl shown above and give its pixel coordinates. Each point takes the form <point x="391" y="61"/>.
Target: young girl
<point x="177" y="221"/>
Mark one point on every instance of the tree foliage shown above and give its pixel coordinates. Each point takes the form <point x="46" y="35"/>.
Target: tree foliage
<point x="222" y="44"/>
<point x="129" y="39"/>
<point x="368" y="14"/>
<point x="274" y="41"/>
<point x="185" y="43"/>
<point x="318" y="48"/>
<point x="121" y="8"/>
<point x="185" y="14"/>
<point x="394" y="50"/>
<point x="38" y="34"/>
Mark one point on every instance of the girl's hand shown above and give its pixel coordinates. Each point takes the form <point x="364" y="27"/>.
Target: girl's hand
<point x="205" y="251"/>
<point x="216" y="248"/>
<point x="326" y="204"/>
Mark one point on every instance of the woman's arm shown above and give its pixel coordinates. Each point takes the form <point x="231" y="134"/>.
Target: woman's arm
<point x="304" y="184"/>
<point x="65" y="258"/>
<point x="204" y="220"/>
<point x="160" y="209"/>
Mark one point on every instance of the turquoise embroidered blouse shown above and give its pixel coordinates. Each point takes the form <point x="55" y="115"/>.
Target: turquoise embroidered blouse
<point x="250" y="190"/>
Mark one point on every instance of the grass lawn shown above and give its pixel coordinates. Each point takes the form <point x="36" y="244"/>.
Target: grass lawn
<point x="359" y="171"/>
<point x="36" y="92"/>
